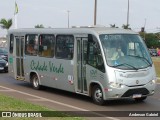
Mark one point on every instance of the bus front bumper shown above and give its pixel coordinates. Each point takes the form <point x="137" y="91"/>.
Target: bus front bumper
<point x="124" y="91"/>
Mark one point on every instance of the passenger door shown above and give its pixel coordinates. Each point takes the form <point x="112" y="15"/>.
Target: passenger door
<point x="19" y="57"/>
<point x="81" y="64"/>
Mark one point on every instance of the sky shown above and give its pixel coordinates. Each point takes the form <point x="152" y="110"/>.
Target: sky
<point x="53" y="13"/>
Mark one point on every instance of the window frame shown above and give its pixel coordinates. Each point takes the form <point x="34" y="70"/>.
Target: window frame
<point x="96" y="53"/>
<point x="63" y="46"/>
<point x="32" y="47"/>
<point x="52" y="54"/>
<point x="11" y="45"/>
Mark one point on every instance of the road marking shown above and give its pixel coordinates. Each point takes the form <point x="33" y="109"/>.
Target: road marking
<point x="5" y="90"/>
<point x="56" y="102"/>
<point x="36" y="99"/>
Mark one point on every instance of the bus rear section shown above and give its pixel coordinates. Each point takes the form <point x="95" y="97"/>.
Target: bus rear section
<point x="16" y="56"/>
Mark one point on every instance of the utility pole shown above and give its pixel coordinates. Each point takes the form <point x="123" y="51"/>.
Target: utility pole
<point x="95" y="12"/>
<point x="144" y="29"/>
<point x="128" y="14"/>
<point x="68" y="18"/>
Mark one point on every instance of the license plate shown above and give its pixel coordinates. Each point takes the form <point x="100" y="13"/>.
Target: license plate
<point x="1" y="68"/>
<point x="137" y="96"/>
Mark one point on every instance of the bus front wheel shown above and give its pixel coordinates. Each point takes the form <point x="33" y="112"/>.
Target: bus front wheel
<point x="35" y="82"/>
<point x="97" y="95"/>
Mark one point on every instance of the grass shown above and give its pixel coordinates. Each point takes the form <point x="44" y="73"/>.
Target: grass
<point x="156" y="61"/>
<point x="12" y="104"/>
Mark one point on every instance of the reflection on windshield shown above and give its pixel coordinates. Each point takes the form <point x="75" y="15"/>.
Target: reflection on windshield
<point x="144" y="59"/>
<point x="125" y="51"/>
<point x="124" y="64"/>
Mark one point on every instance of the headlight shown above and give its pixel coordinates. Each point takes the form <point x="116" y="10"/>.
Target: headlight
<point x="153" y="81"/>
<point x="115" y="85"/>
<point x="7" y="64"/>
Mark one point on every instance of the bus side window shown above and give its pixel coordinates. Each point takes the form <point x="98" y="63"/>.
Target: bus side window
<point x="31" y="44"/>
<point x="64" y="46"/>
<point x="11" y="43"/>
<point x="94" y="54"/>
<point x="46" y="45"/>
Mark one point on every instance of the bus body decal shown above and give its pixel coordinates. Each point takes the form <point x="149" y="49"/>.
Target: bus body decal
<point x="44" y="67"/>
<point x="55" y="69"/>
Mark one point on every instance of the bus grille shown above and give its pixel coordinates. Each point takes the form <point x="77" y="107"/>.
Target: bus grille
<point x="130" y="92"/>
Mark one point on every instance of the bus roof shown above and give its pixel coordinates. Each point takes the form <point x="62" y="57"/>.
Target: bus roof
<point x="89" y="30"/>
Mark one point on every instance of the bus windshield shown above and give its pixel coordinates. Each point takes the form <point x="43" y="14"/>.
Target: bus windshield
<point x="125" y="51"/>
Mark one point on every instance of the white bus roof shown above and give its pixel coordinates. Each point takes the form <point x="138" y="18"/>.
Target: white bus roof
<point x="98" y="30"/>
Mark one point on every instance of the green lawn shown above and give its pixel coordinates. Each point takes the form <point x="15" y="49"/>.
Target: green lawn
<point x="12" y="104"/>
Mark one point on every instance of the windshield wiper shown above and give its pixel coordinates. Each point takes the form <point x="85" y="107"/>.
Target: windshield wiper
<point x="143" y="58"/>
<point x="123" y="64"/>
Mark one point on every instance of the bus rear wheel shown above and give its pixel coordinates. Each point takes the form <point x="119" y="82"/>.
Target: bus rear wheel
<point x="97" y="95"/>
<point x="35" y="82"/>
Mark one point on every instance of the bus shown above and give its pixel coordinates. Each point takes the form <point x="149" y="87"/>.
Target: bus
<point x="99" y="62"/>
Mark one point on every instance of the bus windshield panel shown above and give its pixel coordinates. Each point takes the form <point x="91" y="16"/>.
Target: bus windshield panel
<point x="125" y="51"/>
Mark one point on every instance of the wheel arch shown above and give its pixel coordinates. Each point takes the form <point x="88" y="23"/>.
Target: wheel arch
<point x="32" y="73"/>
<point x="97" y="93"/>
<point x="92" y="84"/>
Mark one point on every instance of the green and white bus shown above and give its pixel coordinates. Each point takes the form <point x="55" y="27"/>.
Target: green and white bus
<point x="100" y="62"/>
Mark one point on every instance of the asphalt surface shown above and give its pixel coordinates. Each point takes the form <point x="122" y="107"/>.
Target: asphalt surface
<point x="66" y="101"/>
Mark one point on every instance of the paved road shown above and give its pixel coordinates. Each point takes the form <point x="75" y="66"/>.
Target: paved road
<point x="66" y="101"/>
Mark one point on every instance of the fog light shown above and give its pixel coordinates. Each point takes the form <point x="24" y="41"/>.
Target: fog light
<point x="115" y="85"/>
<point x="152" y="81"/>
<point x="117" y="96"/>
<point x="152" y="92"/>
<point x="7" y="64"/>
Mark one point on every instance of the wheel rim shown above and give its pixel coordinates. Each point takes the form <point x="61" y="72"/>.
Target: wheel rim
<point x="98" y="95"/>
<point x="35" y="82"/>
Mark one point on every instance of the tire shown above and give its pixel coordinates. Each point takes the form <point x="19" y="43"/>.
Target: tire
<point x="140" y="99"/>
<point x="97" y="95"/>
<point x="35" y="82"/>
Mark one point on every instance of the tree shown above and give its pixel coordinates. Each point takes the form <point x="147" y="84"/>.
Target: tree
<point x="151" y="39"/>
<point x="143" y="33"/>
<point x="158" y="35"/>
<point x="39" y="26"/>
<point x="157" y="39"/>
<point x="5" y="24"/>
<point x="126" y="26"/>
<point x="113" y="26"/>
